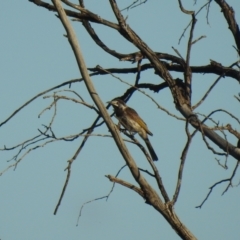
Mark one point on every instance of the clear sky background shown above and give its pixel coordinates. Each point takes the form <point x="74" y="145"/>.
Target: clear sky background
<point x="36" y="56"/>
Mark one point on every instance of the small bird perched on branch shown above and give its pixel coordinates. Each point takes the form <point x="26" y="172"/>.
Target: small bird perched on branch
<point x="130" y="119"/>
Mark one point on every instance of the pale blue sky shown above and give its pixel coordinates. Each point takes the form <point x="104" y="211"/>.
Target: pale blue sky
<point x="36" y="56"/>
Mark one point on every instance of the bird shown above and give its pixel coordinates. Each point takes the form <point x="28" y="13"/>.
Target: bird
<point x="130" y="120"/>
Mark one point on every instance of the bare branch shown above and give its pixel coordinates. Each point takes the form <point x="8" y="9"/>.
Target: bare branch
<point x="224" y="166"/>
<point x="207" y="93"/>
<point x="207" y="144"/>
<point x="185" y="29"/>
<point x="187" y="71"/>
<point x="126" y="184"/>
<point x="179" y="67"/>
<point x="134" y="4"/>
<point x="178" y="53"/>
<point x="58" y="97"/>
<point x="234" y="132"/>
<point x="217" y="183"/>
<point x="152" y="195"/>
<point x="146" y="171"/>
<point x="210" y="191"/>
<point x="83" y="205"/>
<point x="231" y="178"/>
<point x="68" y="168"/>
<point x="141" y="91"/>
<point x="198" y="39"/>
<point x="183" y="9"/>
<point x="232" y="23"/>
<point x="97" y="40"/>
<point x="86" y="14"/>
<point x="181" y="167"/>
<point x="100" y="198"/>
<point x="114" y="182"/>
<point x="220" y="110"/>
<point x="39" y="95"/>
<point x="211" y="87"/>
<point x="154" y="168"/>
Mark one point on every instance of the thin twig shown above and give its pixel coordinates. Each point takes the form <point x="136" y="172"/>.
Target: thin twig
<point x="198" y="39"/>
<point x="114" y="182"/>
<point x="211" y="87"/>
<point x="207" y="144"/>
<point x="146" y="171"/>
<point x="57" y="97"/>
<point x="211" y="189"/>
<point x="231" y="178"/>
<point x="39" y="95"/>
<point x="132" y="5"/>
<point x="185" y="29"/>
<point x="217" y="183"/>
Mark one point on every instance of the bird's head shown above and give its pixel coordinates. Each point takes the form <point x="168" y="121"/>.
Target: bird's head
<point x="118" y="103"/>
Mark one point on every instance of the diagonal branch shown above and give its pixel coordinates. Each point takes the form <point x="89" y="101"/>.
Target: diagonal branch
<point x="219" y="182"/>
<point x="97" y="40"/>
<point x="181" y="167"/>
<point x="86" y="14"/>
<point x="126" y="184"/>
<point x="147" y="189"/>
<point x="212" y="86"/>
<point x="228" y="13"/>
<point x="187" y="71"/>
<point x="131" y="36"/>
<point x="68" y="168"/>
<point x="154" y="168"/>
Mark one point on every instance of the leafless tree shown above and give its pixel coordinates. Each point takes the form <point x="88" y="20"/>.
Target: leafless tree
<point x="213" y="134"/>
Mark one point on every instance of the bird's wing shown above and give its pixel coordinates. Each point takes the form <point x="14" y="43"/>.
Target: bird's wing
<point x="136" y="117"/>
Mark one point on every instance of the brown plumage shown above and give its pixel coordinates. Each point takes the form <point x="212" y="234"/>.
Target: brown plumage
<point x="130" y="119"/>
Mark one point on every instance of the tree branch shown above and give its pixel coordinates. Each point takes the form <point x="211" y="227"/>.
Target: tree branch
<point x="228" y="13"/>
<point x="149" y="192"/>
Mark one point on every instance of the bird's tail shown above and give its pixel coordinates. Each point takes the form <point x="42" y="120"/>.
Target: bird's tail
<point x="151" y="150"/>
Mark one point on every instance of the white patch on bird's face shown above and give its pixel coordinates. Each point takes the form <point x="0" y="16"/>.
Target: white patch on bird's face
<point x="114" y="103"/>
<point x="118" y="104"/>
